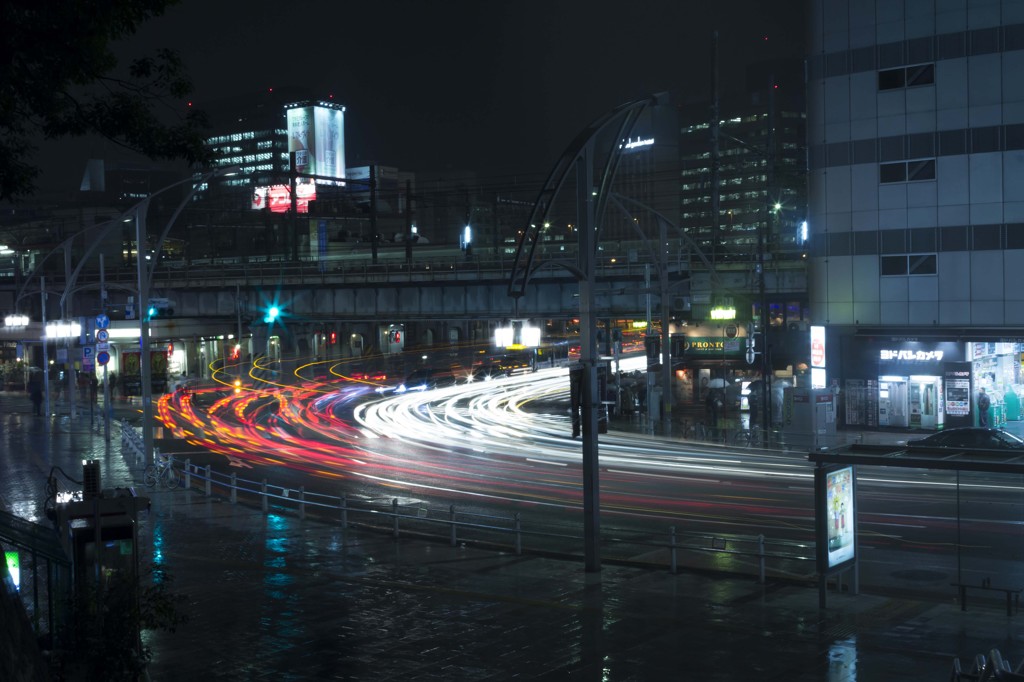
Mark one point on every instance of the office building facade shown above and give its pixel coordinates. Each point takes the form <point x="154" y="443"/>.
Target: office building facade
<point x="916" y="140"/>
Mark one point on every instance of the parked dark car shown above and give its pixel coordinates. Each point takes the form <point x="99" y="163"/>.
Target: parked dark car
<point x="970" y="438"/>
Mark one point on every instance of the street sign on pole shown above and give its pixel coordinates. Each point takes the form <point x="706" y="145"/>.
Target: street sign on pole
<point x="103" y="357"/>
<point x="102" y="321"/>
<point x="102" y="336"/>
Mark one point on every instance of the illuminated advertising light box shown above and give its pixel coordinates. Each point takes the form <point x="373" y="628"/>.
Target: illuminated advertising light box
<point x="278" y="198"/>
<point x="818" y="378"/>
<point x="836" y="514"/>
<point x="316" y="135"/>
<point x="13" y="567"/>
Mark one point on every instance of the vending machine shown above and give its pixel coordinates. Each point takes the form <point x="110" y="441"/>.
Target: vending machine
<point x="893" y="401"/>
<point x="925" y="395"/>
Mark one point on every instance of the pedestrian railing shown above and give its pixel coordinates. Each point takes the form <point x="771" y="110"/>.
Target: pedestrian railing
<point x="131" y="439"/>
<point x="730" y="553"/>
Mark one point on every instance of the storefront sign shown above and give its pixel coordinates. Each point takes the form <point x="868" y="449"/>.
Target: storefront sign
<point x="905" y="355"/>
<point x="712" y="346"/>
<point x="818" y="376"/>
<point x="958" y="393"/>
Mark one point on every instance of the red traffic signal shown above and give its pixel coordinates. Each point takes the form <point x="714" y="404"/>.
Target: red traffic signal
<point x="334" y="337"/>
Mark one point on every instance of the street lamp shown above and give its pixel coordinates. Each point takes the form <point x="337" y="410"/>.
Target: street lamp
<point x="145" y="277"/>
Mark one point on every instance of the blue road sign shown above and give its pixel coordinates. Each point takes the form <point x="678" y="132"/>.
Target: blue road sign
<point x="102" y="321"/>
<point x="103" y="357"/>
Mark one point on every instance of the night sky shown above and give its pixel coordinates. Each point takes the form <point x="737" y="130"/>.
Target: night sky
<point x="496" y="87"/>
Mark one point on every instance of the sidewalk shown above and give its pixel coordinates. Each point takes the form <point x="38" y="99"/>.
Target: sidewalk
<point x="277" y="597"/>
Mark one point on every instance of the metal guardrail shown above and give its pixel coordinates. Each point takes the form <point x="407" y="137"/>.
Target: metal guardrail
<point x="131" y="438"/>
<point x="734" y="553"/>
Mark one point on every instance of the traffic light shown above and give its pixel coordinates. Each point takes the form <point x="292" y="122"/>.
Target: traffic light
<point x="334" y="337"/>
<point x="159" y="308"/>
<point x="155" y="312"/>
<point x="273" y="312"/>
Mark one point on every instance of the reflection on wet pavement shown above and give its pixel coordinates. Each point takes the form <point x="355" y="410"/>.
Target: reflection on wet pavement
<point x="272" y="596"/>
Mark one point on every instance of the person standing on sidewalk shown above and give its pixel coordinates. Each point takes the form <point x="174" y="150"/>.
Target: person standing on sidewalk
<point x="35" y="393"/>
<point x="984" y="402"/>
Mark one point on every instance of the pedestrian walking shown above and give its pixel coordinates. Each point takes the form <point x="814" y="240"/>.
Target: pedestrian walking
<point x="984" y="402"/>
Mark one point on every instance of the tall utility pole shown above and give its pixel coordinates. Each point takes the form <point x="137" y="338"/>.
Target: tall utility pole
<point x="46" y="351"/>
<point x="293" y="212"/>
<point x="408" y="221"/>
<point x="715" y="154"/>
<point x="106" y="384"/>
<point x="766" y="375"/>
<point x="145" y="370"/>
<point x="373" y="212"/>
<point x="588" y="359"/>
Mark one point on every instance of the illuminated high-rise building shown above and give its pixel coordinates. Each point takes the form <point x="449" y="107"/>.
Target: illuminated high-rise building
<point x="761" y="168"/>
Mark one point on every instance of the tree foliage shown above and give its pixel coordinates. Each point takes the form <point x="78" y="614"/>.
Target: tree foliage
<point x="103" y="637"/>
<point x="59" y="77"/>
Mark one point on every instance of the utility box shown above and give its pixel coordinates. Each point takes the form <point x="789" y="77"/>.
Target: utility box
<point x="100" y="536"/>
<point x="808" y="417"/>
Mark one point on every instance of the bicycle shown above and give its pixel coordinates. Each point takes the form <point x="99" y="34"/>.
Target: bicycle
<point x="695" y="431"/>
<point x="748" y="437"/>
<point x="161" y="471"/>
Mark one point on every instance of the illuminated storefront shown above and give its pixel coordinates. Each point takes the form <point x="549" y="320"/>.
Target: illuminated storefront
<point x="928" y="384"/>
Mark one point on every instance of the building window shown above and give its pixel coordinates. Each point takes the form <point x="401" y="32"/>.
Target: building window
<point x="919" y="170"/>
<point x="906" y="77"/>
<point x="892" y="172"/>
<point x="922" y="264"/>
<point x="912" y="264"/>
<point x="891" y="79"/>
